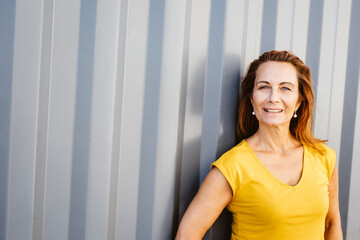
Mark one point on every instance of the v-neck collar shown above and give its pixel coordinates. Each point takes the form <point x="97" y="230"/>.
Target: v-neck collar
<point x="272" y="175"/>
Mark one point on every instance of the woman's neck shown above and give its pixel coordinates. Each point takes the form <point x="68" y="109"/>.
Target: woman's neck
<point x="274" y="139"/>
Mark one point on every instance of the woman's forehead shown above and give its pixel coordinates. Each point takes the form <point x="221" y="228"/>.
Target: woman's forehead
<point x="276" y="72"/>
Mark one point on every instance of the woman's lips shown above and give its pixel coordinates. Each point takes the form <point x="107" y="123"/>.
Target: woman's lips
<point x="272" y="110"/>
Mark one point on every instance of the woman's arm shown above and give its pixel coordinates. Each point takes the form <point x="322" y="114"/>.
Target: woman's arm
<point x="213" y="196"/>
<point x="333" y="222"/>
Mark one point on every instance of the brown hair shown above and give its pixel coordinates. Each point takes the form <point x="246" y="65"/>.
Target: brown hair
<point x="301" y="126"/>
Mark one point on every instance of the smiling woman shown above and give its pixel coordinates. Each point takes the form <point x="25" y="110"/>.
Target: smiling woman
<point x="302" y="122"/>
<point x="275" y="97"/>
<point x="279" y="182"/>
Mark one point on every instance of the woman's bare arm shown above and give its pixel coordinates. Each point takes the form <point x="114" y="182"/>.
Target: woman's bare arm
<point x="213" y="196"/>
<point x="333" y="221"/>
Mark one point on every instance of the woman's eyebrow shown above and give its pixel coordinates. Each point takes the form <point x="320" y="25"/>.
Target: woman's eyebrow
<point x="262" y="82"/>
<point x="282" y="83"/>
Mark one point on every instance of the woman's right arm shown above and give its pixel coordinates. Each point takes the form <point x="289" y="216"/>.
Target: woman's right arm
<point x="213" y="196"/>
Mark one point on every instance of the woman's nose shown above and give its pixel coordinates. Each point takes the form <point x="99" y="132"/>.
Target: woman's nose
<point x="274" y="96"/>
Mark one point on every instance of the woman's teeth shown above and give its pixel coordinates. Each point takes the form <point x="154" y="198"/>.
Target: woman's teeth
<point x="272" y="110"/>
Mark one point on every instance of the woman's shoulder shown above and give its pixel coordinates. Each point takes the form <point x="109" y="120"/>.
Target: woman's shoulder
<point x="236" y="157"/>
<point x="238" y="151"/>
<point x="324" y="155"/>
<point x="232" y="164"/>
<point x="321" y="149"/>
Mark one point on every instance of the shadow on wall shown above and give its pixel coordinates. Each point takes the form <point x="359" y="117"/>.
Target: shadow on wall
<point x="230" y="89"/>
<point x="226" y="138"/>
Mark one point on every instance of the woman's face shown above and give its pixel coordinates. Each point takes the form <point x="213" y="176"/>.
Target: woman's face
<point x="275" y="96"/>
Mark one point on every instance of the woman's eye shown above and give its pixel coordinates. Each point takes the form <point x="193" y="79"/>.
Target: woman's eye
<point x="264" y="87"/>
<point x="285" y="89"/>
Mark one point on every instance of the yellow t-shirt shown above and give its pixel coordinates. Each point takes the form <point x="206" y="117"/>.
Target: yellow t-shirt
<point x="265" y="208"/>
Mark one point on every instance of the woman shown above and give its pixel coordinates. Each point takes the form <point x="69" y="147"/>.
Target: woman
<point x="279" y="182"/>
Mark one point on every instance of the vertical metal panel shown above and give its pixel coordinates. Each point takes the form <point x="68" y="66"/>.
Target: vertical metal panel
<point x="233" y="41"/>
<point x="7" y="28"/>
<point x="198" y="46"/>
<point x="117" y="120"/>
<point x="285" y="23"/>
<point x="112" y="111"/>
<point x="25" y="83"/>
<point x="268" y="35"/>
<point x="150" y="119"/>
<point x="349" y="114"/>
<point x="326" y="66"/>
<point x="43" y="119"/>
<point x="300" y="28"/>
<point x="314" y="40"/>
<point x="61" y="119"/>
<point x="233" y="33"/>
<point x="82" y="120"/>
<point x="168" y="119"/>
<point x="228" y="90"/>
<point x="132" y="117"/>
<point x="102" y="115"/>
<point x="353" y="223"/>
<point x="212" y="93"/>
<point x="339" y="74"/>
<point x="252" y="32"/>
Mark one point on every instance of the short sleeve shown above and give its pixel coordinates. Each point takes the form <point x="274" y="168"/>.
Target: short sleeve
<point x="226" y="167"/>
<point x="331" y="160"/>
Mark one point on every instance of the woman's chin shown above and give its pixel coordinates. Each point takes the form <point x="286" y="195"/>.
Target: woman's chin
<point x="274" y="122"/>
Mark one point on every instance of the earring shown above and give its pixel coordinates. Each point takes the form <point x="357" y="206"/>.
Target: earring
<point x="253" y="113"/>
<point x="295" y="115"/>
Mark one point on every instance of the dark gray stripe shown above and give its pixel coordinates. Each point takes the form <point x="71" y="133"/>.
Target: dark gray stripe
<point x="190" y="159"/>
<point x="7" y="29"/>
<point x="81" y="145"/>
<point x="221" y="229"/>
<point x="117" y="122"/>
<point x="349" y="112"/>
<point x="150" y="120"/>
<point x="212" y="94"/>
<point x="43" y="117"/>
<point x="181" y="123"/>
<point x="314" y="41"/>
<point x="229" y="103"/>
<point x="269" y="21"/>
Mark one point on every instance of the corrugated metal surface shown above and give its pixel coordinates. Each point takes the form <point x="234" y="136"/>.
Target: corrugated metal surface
<point x="112" y="111"/>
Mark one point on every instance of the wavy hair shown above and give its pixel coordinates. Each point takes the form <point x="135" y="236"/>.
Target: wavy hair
<point x="300" y="127"/>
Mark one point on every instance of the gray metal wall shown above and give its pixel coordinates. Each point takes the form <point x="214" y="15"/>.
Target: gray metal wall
<point x="111" y="111"/>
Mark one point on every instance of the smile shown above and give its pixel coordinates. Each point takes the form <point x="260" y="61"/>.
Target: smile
<point x="273" y="110"/>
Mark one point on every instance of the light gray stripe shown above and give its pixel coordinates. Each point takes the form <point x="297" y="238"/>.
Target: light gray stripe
<point x="81" y="144"/>
<point x="7" y="29"/>
<point x="150" y="120"/>
<point x="292" y="26"/>
<point x="244" y="34"/>
<point x="117" y="121"/>
<point x="43" y="119"/>
<point x="314" y="41"/>
<point x="349" y="112"/>
<point x="269" y="22"/>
